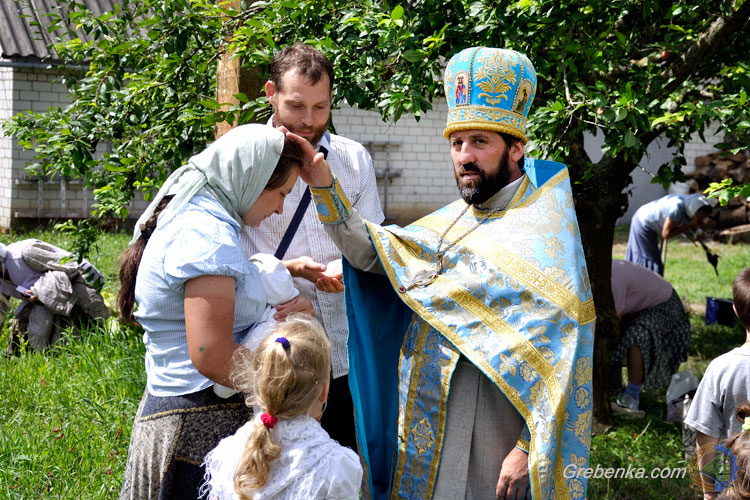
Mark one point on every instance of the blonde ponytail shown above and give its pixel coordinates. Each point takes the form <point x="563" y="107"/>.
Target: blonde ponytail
<point x="283" y="378"/>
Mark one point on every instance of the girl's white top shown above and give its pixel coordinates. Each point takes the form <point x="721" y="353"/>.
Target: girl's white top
<point x="311" y="464"/>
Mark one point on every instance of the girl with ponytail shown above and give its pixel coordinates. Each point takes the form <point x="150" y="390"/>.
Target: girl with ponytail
<point x="739" y="446"/>
<point x="284" y="453"/>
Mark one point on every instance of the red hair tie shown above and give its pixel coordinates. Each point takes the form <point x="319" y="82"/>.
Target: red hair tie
<point x="268" y="420"/>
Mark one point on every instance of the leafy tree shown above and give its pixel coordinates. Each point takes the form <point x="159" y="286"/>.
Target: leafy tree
<point x="150" y="78"/>
<point x="636" y="70"/>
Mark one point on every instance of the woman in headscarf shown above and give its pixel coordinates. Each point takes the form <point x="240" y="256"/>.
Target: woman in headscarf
<point x="197" y="295"/>
<point x="666" y="217"/>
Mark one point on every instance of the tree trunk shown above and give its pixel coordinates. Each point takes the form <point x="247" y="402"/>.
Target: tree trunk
<point x="597" y="233"/>
<point x="599" y="202"/>
<point x="231" y="79"/>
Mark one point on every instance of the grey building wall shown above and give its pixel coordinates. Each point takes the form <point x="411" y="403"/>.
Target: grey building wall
<point x="642" y="190"/>
<point x="415" y="151"/>
<point x="6" y="146"/>
<point x="412" y="159"/>
<point x="22" y="196"/>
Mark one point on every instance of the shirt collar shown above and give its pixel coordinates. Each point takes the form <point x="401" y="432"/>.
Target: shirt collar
<point x="325" y="141"/>
<point x="502" y="198"/>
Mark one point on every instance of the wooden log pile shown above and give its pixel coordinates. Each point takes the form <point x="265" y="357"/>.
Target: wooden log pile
<point x="731" y="222"/>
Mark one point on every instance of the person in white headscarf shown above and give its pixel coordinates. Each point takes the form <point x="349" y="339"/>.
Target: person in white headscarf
<point x="666" y="217"/>
<point x="186" y="280"/>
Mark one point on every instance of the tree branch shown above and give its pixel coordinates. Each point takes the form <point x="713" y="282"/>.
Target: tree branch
<point x="707" y="43"/>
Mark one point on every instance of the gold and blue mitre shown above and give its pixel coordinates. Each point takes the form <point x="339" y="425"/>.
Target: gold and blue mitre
<point x="489" y="89"/>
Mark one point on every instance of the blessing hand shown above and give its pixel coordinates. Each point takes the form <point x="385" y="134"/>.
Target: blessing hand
<point x="315" y="170"/>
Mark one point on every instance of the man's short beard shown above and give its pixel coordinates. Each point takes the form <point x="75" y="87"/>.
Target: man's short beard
<point x="314" y="140"/>
<point x="488" y="184"/>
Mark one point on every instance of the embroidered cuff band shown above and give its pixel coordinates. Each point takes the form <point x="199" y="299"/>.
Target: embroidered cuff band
<point x="523" y="445"/>
<point x="523" y="441"/>
<point x="331" y="203"/>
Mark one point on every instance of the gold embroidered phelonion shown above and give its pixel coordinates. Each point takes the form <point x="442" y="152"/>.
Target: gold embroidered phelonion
<point x="425" y="277"/>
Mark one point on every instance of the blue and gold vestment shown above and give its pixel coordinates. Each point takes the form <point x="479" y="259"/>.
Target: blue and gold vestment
<point x="513" y="297"/>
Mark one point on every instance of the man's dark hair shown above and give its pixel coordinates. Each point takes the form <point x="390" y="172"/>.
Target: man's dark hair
<point x="509" y="141"/>
<point x="308" y="61"/>
<point x="741" y="296"/>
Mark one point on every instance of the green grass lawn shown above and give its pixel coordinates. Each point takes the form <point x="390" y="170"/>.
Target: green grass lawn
<point x="652" y="443"/>
<point x="66" y="414"/>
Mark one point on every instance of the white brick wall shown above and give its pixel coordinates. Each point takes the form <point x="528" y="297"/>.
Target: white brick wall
<point x="6" y="146"/>
<point x="696" y="147"/>
<point x="418" y="151"/>
<point x="26" y="89"/>
<point x="643" y="191"/>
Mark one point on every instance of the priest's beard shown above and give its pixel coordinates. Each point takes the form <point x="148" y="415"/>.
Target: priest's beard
<point x="476" y="192"/>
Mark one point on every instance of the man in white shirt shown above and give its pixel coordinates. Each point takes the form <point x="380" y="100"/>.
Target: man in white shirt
<point x="300" y="90"/>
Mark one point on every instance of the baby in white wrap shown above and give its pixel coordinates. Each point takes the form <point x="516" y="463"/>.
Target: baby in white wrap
<point x="280" y="289"/>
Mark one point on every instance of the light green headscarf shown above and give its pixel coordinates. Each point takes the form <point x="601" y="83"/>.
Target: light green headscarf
<point x="234" y="169"/>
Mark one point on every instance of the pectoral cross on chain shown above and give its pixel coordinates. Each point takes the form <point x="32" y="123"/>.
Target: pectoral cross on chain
<point x="426" y="277"/>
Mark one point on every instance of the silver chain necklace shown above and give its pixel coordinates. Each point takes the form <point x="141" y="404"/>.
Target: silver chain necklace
<point x="428" y="276"/>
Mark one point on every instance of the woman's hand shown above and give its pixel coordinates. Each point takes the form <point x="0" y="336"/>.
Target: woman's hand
<point x="298" y="304"/>
<point x="315" y="171"/>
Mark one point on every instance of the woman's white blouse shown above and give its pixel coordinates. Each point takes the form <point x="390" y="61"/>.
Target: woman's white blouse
<point x="311" y="465"/>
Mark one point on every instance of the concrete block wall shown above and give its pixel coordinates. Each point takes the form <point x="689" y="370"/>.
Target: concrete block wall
<point x="643" y="191"/>
<point x="418" y="152"/>
<point x="696" y="147"/>
<point x="37" y="90"/>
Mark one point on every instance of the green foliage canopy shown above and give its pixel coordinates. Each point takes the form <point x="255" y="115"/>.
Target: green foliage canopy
<point x="632" y="69"/>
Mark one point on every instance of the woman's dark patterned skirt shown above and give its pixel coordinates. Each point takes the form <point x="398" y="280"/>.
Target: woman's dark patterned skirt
<point x="662" y="333"/>
<point x="171" y="435"/>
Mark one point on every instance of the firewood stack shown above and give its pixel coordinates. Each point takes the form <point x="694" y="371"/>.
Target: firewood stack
<point x="731" y="222"/>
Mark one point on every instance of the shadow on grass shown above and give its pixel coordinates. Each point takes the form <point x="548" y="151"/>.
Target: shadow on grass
<point x="709" y="341"/>
<point x="644" y="457"/>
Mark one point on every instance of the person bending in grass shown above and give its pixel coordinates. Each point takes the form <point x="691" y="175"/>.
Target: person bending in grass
<point x="655" y="331"/>
<point x="56" y="290"/>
